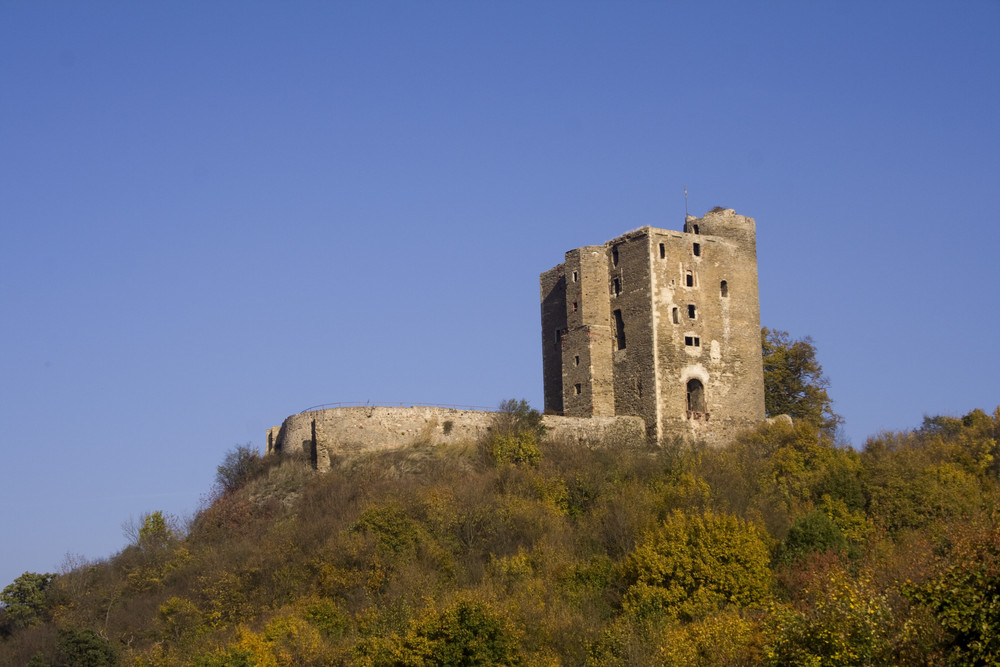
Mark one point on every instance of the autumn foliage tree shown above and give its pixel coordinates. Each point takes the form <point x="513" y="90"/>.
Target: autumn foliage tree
<point x="692" y="564"/>
<point x="794" y="383"/>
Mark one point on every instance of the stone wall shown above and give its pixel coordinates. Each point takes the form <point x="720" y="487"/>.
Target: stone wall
<point x="331" y="435"/>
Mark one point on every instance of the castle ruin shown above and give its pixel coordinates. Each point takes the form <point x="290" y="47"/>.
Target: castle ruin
<point x="653" y="335"/>
<point x="659" y="324"/>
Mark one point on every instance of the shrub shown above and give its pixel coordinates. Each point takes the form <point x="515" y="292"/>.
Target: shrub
<point x="466" y="633"/>
<point x="692" y="564"/>
<point x="515" y="449"/>
<point x="85" y="648"/>
<point x="240" y="465"/>
<point x="517" y="416"/>
<point x="727" y="638"/>
<point x="843" y="620"/>
<point x="514" y="434"/>
<point x="964" y="596"/>
<point x="814" y="532"/>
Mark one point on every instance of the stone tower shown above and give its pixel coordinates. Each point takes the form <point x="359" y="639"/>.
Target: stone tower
<point x="659" y="324"/>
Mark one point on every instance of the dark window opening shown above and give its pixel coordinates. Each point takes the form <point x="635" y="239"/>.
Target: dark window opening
<point x="692" y="341"/>
<point x="559" y="336"/>
<point x="696" y="248"/>
<point x="618" y="286"/>
<point x="619" y="330"/>
<point x="577" y="388"/>
<point x="313" y="450"/>
<point x="663" y="251"/>
<point x="691" y="311"/>
<point x="575" y="276"/>
<point x="694" y="228"/>
<point x="677" y="319"/>
<point x="576" y="360"/>
<point x="614" y="256"/>
<point x="696" y="396"/>
<point x="689" y="279"/>
<point x="574" y="306"/>
<point x="724" y="288"/>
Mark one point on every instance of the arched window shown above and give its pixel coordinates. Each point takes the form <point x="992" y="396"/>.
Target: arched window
<point x="724" y="288"/>
<point x="696" y="396"/>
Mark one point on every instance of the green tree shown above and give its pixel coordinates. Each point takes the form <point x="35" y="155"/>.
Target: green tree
<point x="814" y="532"/>
<point x="25" y="599"/>
<point x="794" y="383"/>
<point x="517" y="416"/>
<point x="466" y="633"/>
<point x="85" y="648"/>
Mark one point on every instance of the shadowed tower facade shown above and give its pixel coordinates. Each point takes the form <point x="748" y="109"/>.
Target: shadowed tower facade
<point x="659" y="324"/>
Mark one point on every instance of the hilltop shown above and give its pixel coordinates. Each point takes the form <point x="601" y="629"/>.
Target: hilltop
<point x="518" y="549"/>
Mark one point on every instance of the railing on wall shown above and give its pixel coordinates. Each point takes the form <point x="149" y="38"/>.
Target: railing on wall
<point x="371" y="404"/>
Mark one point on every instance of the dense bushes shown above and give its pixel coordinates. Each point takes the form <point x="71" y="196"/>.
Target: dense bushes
<point x="779" y="549"/>
<point x="695" y="564"/>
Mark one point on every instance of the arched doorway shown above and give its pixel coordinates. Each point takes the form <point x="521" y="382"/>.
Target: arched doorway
<point x="696" y="396"/>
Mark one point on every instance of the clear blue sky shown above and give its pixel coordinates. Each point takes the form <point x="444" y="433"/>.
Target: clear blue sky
<point x="215" y="214"/>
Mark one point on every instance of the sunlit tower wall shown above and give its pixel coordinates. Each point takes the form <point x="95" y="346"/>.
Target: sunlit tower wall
<point x="659" y="324"/>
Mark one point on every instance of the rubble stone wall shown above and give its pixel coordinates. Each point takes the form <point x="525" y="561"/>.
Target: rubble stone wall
<point x="331" y="435"/>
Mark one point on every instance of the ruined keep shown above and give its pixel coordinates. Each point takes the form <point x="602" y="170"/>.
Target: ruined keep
<point x="659" y="324"/>
<point x="654" y="334"/>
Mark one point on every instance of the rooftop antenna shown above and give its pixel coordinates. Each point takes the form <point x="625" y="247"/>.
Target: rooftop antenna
<point x="685" y="202"/>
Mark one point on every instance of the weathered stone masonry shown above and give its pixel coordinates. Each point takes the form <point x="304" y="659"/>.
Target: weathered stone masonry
<point x="659" y="324"/>
<point x="653" y="334"/>
<point x="332" y="435"/>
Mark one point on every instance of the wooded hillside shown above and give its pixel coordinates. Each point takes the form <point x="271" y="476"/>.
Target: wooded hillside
<point x="780" y="549"/>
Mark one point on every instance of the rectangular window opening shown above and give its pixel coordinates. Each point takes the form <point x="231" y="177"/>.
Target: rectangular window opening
<point x="677" y="318"/>
<point x="576" y="360"/>
<point x="692" y="341"/>
<point x="577" y="388"/>
<point x="724" y="288"/>
<point x="614" y="256"/>
<point x="574" y="306"/>
<point x="576" y="275"/>
<point x="691" y="311"/>
<point x="619" y="330"/>
<point x="663" y="251"/>
<point x="696" y="248"/>
<point x="689" y="279"/>
<point x="617" y="286"/>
